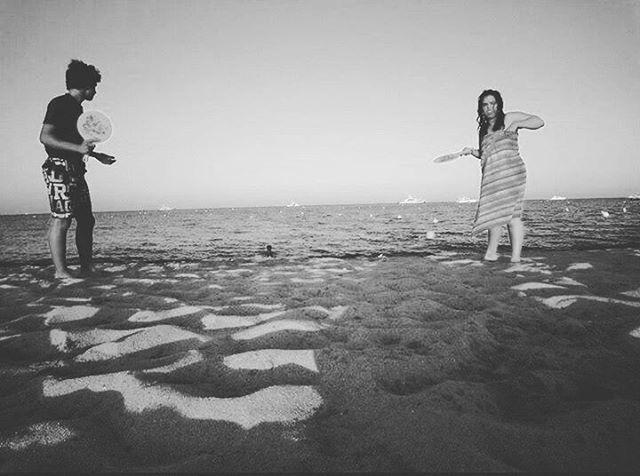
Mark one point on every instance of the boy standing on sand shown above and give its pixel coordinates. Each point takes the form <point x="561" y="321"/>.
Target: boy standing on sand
<point x="64" y="168"/>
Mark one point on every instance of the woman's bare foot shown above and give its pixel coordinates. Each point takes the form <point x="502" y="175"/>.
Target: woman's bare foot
<point x="64" y="274"/>
<point x="515" y="260"/>
<point x="490" y="257"/>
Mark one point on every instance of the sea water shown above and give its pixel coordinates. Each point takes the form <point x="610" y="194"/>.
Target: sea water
<point x="302" y="232"/>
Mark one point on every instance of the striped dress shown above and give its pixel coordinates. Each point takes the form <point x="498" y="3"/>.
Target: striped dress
<point x="503" y="181"/>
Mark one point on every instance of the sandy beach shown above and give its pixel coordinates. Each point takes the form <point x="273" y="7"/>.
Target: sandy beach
<point x="439" y="363"/>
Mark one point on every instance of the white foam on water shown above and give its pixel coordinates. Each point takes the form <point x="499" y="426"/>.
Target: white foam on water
<point x="77" y="299"/>
<point x="143" y="340"/>
<point x="264" y="307"/>
<point x="60" y="314"/>
<point x="154" y="316"/>
<point x="337" y="270"/>
<point x="192" y="357"/>
<point x="277" y="326"/>
<point x="151" y="269"/>
<point x="213" y="322"/>
<point x="116" y="269"/>
<point x="568" y="282"/>
<point x="270" y="358"/>
<point x="215" y="286"/>
<point x="49" y="433"/>
<point x="634" y="294"/>
<point x="337" y="312"/>
<point x="281" y="403"/>
<point x="578" y="266"/>
<point x="58" y="339"/>
<point x="170" y="300"/>
<point x="188" y="275"/>
<point x="635" y="333"/>
<point x="7" y="286"/>
<point x="9" y="337"/>
<point x="560" y="302"/>
<point x="307" y="280"/>
<point x="533" y="285"/>
<point x="242" y="298"/>
<point x="148" y="281"/>
<point x="238" y="271"/>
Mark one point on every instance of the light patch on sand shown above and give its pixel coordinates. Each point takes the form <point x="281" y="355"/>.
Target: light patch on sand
<point x="143" y="340"/>
<point x="634" y="294"/>
<point x="106" y="287"/>
<point x="188" y="275"/>
<point x="307" y="280"/>
<point x="277" y="326"/>
<point x="568" y="282"/>
<point x="560" y="302"/>
<point x="116" y="269"/>
<point x="460" y="261"/>
<point x="63" y="340"/>
<point x="533" y="285"/>
<point x="60" y="314"/>
<point x="213" y="322"/>
<point x="270" y="358"/>
<point x="635" y="333"/>
<point x="579" y="266"/>
<point x="283" y="403"/>
<point x="49" y="433"/>
<point x="192" y="357"/>
<point x="528" y="268"/>
<point x="153" y="316"/>
<point x="215" y="286"/>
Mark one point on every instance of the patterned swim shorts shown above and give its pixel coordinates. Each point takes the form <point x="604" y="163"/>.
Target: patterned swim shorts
<point x="68" y="191"/>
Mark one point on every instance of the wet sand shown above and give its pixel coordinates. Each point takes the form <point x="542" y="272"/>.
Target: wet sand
<point x="440" y="363"/>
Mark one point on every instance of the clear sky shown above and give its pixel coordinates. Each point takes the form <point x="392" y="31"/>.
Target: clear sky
<point x="259" y="103"/>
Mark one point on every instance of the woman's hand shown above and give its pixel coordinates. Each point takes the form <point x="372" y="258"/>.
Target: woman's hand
<point x="466" y="151"/>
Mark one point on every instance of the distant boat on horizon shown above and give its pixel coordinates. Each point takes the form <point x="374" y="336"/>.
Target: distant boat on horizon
<point x="411" y="200"/>
<point x="558" y="197"/>
<point x="464" y="199"/>
<point x="634" y="196"/>
<point x="293" y="204"/>
<point x="165" y="208"/>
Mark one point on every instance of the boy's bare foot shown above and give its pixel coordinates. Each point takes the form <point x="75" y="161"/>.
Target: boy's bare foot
<point x="490" y="257"/>
<point x="515" y="260"/>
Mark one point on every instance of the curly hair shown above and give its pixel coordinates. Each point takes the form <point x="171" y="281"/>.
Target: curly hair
<point x="483" y="123"/>
<point x="81" y="75"/>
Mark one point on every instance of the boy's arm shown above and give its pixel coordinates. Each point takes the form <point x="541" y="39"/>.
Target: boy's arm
<point x="48" y="137"/>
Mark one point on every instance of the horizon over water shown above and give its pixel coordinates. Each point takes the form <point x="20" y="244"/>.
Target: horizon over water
<point x="311" y="231"/>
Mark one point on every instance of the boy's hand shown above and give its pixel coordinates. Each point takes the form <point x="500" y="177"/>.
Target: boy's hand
<point x="86" y="147"/>
<point x="104" y="158"/>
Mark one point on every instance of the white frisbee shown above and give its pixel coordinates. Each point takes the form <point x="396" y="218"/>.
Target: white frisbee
<point x="447" y="157"/>
<point x="94" y="126"/>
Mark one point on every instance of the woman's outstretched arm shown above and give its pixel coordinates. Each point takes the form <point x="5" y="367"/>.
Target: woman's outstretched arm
<point x="521" y="120"/>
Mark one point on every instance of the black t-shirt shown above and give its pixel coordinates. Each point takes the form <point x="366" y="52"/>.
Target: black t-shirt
<point x="62" y="113"/>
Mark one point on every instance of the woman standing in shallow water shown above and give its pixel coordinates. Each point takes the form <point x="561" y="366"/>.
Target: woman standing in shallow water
<point x="503" y="172"/>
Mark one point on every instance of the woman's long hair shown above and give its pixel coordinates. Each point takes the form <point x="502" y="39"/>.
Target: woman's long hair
<point x="483" y="123"/>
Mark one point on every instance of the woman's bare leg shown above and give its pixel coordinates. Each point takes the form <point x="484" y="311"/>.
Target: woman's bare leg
<point x="516" y="236"/>
<point x="492" y="247"/>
